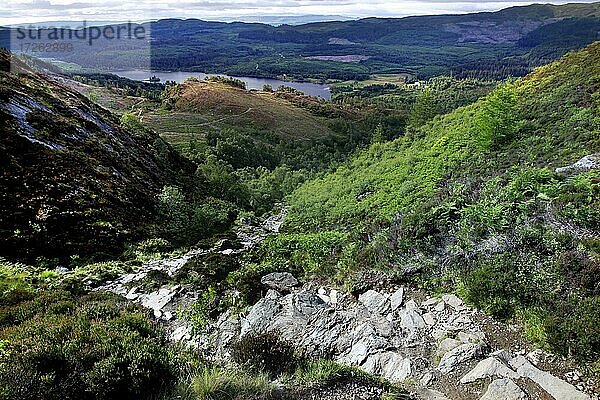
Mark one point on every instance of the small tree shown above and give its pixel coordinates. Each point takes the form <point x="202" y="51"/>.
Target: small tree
<point x="498" y="119"/>
<point x="379" y="135"/>
<point x="423" y="110"/>
<point x="174" y="212"/>
<point x="132" y="123"/>
<point x="184" y="221"/>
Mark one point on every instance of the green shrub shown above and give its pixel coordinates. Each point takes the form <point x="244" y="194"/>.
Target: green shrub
<point x="185" y="222"/>
<point x="498" y="119"/>
<point x="148" y="249"/>
<point x="534" y="320"/>
<point x="200" y="312"/>
<point x="223" y="182"/>
<point x="175" y="210"/>
<point x="491" y="288"/>
<point x="132" y="123"/>
<point x="266" y="188"/>
<point x="61" y="347"/>
<point x="15" y="283"/>
<point x="423" y="110"/>
<point x="205" y="270"/>
<point x="308" y="254"/>
<point x="573" y="328"/>
<point x="265" y="352"/>
<point x="97" y="273"/>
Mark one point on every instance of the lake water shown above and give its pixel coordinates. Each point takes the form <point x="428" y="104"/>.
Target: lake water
<point x="311" y="89"/>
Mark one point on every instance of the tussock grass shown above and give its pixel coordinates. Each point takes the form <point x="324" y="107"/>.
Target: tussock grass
<point x="214" y="383"/>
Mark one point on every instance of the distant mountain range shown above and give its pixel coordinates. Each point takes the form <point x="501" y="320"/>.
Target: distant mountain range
<point x="274" y="20"/>
<point x="66" y="24"/>
<point x="277" y="20"/>
<point x="488" y="45"/>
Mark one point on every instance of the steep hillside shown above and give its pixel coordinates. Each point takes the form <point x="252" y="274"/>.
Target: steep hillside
<point x="73" y="181"/>
<point x="472" y="201"/>
<point x="546" y="119"/>
<point x="508" y="42"/>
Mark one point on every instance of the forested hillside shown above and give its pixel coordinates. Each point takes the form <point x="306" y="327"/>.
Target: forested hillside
<point x="481" y="45"/>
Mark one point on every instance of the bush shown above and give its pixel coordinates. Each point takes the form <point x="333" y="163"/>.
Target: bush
<point x="573" y="328"/>
<point x="265" y="352"/>
<point x="200" y="312"/>
<point x="491" y="288"/>
<point x="207" y="269"/>
<point x="185" y="222"/>
<point x="498" y="119"/>
<point x="310" y="254"/>
<point x="98" y="273"/>
<point x="88" y="348"/>
<point x="15" y="284"/>
<point x="223" y="183"/>
<point x="148" y="249"/>
<point x="266" y="188"/>
<point x="132" y="123"/>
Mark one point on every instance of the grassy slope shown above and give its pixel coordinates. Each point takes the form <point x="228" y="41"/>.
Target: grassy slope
<point x="285" y="128"/>
<point x="557" y="127"/>
<point x="271" y="121"/>
<point x="199" y="107"/>
<point x="222" y="104"/>
<point x="472" y="201"/>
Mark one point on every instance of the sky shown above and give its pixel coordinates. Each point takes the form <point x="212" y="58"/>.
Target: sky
<point x="21" y="11"/>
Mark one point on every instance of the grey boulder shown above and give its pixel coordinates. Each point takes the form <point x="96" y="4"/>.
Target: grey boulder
<point x="281" y="281"/>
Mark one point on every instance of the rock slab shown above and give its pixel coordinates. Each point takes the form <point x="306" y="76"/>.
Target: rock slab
<point x="375" y="302"/>
<point x="490" y="367"/>
<point x="459" y="355"/>
<point x="556" y="387"/>
<point x="503" y="389"/>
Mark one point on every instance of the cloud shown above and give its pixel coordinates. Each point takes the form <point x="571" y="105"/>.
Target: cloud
<point x="19" y="11"/>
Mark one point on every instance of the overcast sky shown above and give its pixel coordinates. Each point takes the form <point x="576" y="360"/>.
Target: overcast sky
<point x="19" y="11"/>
